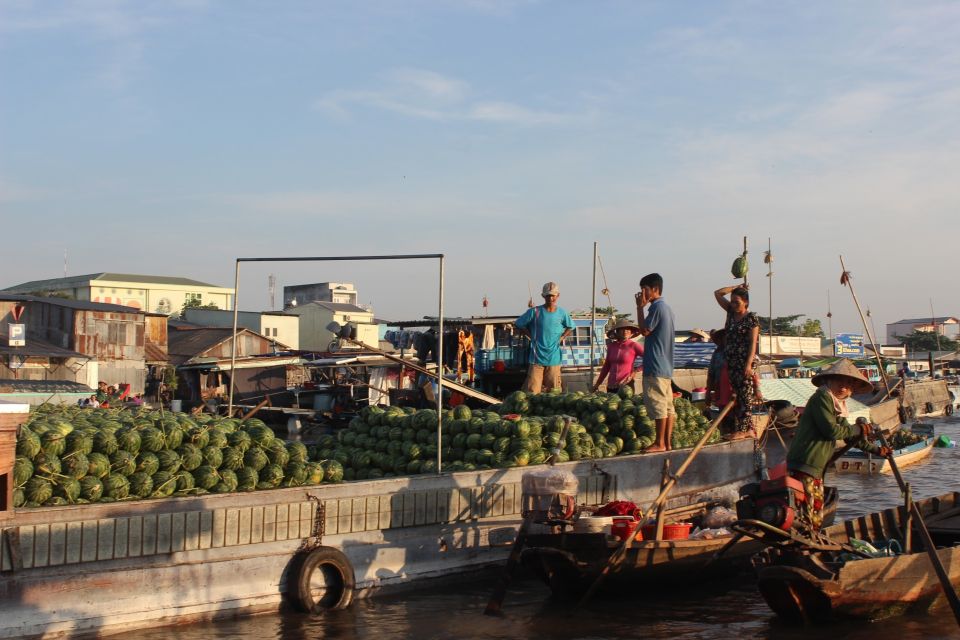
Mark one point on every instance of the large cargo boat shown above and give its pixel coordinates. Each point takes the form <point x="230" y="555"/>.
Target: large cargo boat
<point x="103" y="568"/>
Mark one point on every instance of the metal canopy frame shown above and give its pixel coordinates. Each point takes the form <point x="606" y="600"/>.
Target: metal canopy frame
<point x="416" y="256"/>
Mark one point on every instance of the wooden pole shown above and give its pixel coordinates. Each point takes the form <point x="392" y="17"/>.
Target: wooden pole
<point x="617" y="556"/>
<point x="845" y="280"/>
<point x="593" y="316"/>
<point x="948" y="589"/>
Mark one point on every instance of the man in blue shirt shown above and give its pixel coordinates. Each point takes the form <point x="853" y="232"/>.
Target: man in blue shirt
<point x="546" y="326"/>
<point x="657" y="329"/>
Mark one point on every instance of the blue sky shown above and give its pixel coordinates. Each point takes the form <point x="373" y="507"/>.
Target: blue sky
<point x="172" y="137"/>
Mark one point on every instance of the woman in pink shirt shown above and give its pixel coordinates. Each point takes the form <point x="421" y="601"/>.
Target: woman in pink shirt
<point x="622" y="352"/>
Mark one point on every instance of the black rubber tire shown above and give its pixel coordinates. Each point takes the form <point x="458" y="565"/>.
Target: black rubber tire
<point x="928" y="408"/>
<point x="948" y="410"/>
<point x="337" y="582"/>
<point x="910" y="412"/>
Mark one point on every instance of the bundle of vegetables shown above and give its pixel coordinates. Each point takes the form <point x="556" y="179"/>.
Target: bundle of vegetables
<point x="73" y="455"/>
<point x="904" y="438"/>
<point x="388" y="442"/>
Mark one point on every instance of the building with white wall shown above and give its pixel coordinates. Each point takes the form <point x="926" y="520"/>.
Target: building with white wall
<point x="339" y="292"/>
<point x="315" y="318"/>
<point x="280" y="327"/>
<point x="156" y="294"/>
<point x="948" y="326"/>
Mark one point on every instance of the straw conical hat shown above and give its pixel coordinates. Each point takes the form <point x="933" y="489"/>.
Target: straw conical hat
<point x="624" y="323"/>
<point x="843" y="367"/>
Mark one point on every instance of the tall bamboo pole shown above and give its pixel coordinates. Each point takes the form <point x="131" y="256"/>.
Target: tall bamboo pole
<point x="846" y="280"/>
<point x="593" y="315"/>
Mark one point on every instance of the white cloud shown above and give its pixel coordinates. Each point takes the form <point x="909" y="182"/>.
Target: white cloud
<point x="425" y="94"/>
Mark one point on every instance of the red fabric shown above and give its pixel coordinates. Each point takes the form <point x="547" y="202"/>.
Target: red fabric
<point x="619" y="508"/>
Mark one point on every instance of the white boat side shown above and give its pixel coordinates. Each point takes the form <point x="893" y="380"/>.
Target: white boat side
<point x="106" y="568"/>
<point x="866" y="464"/>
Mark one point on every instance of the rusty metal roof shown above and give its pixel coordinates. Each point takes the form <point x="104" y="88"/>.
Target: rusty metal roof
<point x="152" y="352"/>
<point x="82" y="305"/>
<point x="38" y="349"/>
<point x="186" y="342"/>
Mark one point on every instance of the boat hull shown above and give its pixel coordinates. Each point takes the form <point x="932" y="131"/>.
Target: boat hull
<point x="107" y="568"/>
<point x="864" y="464"/>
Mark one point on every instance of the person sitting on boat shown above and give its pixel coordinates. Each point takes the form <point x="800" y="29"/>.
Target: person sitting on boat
<point x="622" y="353"/>
<point x="824" y="421"/>
<point x="546" y="325"/>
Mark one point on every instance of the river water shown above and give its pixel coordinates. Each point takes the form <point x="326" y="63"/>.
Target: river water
<point x="731" y="609"/>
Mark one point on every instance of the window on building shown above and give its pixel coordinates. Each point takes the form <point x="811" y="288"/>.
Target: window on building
<point x="194" y="298"/>
<point x="274" y="332"/>
<point x="581" y="337"/>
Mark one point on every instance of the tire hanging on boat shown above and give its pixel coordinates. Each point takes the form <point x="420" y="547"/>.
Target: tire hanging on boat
<point x="948" y="410"/>
<point x="325" y="580"/>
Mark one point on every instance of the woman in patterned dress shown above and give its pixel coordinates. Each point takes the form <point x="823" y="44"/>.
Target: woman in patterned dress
<point x="740" y="350"/>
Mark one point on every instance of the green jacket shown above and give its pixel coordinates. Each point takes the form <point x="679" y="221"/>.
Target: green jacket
<point x="816" y="436"/>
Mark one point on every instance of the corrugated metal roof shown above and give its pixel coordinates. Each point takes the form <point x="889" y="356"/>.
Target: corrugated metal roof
<point x="798" y="390"/>
<point x="925" y="320"/>
<point x="152" y="352"/>
<point x="43" y="386"/>
<point x="72" y="281"/>
<point x="39" y="349"/>
<point x="339" y="306"/>
<point x="188" y="342"/>
<point x="83" y="305"/>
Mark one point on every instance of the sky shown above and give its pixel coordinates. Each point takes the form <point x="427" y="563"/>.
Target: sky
<point x="173" y="137"/>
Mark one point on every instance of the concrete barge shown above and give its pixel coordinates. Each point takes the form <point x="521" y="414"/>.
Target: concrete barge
<point x="107" y="568"/>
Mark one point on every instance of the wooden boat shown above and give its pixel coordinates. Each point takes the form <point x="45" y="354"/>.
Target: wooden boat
<point x="569" y="561"/>
<point x="857" y="461"/>
<point x="809" y="586"/>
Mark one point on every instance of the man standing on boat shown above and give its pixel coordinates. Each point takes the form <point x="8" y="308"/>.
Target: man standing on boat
<point x="657" y="329"/>
<point x="824" y="421"/>
<point x="546" y="326"/>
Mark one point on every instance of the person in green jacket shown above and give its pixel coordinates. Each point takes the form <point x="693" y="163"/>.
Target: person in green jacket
<point x="824" y="421"/>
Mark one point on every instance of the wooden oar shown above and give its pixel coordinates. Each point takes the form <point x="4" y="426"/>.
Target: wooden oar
<point x="617" y="556"/>
<point x="494" y="605"/>
<point x="948" y="589"/>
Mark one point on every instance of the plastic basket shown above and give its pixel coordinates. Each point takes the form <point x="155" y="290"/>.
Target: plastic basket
<point x="673" y="531"/>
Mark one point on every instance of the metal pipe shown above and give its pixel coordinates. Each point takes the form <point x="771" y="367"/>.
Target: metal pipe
<point x="593" y="315"/>
<point x="440" y="374"/>
<point x="411" y="256"/>
<point x="233" y="345"/>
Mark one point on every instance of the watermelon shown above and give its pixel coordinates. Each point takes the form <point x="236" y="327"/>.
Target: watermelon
<point x="91" y="488"/>
<point x="79" y="441"/>
<point x="270" y="476"/>
<point x="247" y="479"/>
<point x="141" y="484"/>
<point x="191" y="456"/>
<point x="116" y="486"/>
<point x="164" y="484"/>
<point x="128" y="439"/>
<point x="148" y="463"/>
<point x="46" y="464"/>
<point x="76" y="465"/>
<point x="28" y="443"/>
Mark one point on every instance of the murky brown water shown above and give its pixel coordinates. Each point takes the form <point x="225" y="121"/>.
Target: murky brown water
<point x="731" y="609"/>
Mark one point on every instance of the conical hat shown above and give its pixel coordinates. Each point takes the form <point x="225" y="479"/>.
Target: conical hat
<point x="624" y="323"/>
<point x="843" y="367"/>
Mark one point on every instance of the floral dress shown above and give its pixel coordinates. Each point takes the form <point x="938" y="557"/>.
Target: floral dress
<point x="737" y="352"/>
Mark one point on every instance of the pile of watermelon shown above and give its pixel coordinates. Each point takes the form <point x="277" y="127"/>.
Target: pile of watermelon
<point x="72" y="455"/>
<point x="393" y="441"/>
<point x="620" y="414"/>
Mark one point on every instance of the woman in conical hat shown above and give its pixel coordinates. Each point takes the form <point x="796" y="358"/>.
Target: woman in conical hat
<point x="622" y="353"/>
<point x="824" y="421"/>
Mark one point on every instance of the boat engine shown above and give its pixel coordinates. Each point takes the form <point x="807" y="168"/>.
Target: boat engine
<point x="774" y="502"/>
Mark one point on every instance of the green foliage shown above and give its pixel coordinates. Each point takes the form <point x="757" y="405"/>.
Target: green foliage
<point x="927" y="341"/>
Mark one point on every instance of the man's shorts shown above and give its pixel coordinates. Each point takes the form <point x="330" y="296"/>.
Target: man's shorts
<point x="542" y="378"/>
<point x="658" y="397"/>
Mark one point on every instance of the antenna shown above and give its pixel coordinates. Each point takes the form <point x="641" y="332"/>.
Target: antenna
<point x="272" y="289"/>
<point x="64" y="263"/>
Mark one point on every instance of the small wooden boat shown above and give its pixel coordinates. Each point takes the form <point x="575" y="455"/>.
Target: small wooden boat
<point x="569" y="561"/>
<point x="857" y="461"/>
<point x="801" y="585"/>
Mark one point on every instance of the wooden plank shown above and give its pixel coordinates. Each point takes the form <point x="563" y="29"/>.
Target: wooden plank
<point x="206" y="529"/>
<point x="420" y="508"/>
<point x="443" y="505"/>
<point x="135" y="536"/>
<point x="359" y="521"/>
<point x="256" y="525"/>
<point x="178" y="531"/>
<point x="409" y="509"/>
<point x="270" y="523"/>
<point x="121" y="537"/>
<point x="332" y="512"/>
<point x="106" y="530"/>
<point x="74" y="542"/>
<point x="344" y="516"/>
<point x="386" y="512"/>
<point x="191" y="531"/>
<point x="28" y="546"/>
<point x="231" y="527"/>
<point x="372" y="514"/>
<point x="283" y="522"/>
<point x="149" y="540"/>
<point x="219" y="528"/>
<point x="41" y="546"/>
<point x="164" y="533"/>
<point x="396" y="510"/>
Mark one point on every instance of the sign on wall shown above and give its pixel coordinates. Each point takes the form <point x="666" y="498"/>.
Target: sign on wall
<point x="17" y="336"/>
<point x="849" y="345"/>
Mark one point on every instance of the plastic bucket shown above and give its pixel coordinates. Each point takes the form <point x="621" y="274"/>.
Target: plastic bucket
<point x="623" y="526"/>
<point x="674" y="531"/>
<point x="176" y="405"/>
